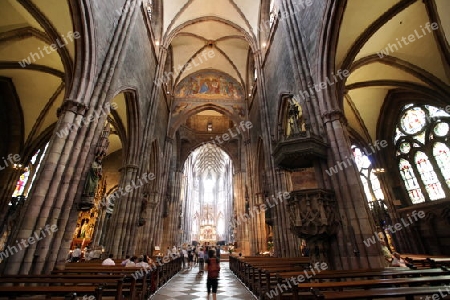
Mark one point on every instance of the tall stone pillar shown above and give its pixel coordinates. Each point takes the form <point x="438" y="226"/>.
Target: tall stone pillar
<point x="124" y="218"/>
<point x="242" y="229"/>
<point x="356" y="222"/>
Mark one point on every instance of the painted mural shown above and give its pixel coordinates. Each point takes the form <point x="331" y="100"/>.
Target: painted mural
<point x="209" y="85"/>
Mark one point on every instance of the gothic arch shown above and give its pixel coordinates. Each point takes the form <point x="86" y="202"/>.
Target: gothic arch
<point x="172" y="33"/>
<point x="129" y="129"/>
<point x="208" y="106"/>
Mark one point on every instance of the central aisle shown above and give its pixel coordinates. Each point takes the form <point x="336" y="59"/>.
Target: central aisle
<point x="188" y="285"/>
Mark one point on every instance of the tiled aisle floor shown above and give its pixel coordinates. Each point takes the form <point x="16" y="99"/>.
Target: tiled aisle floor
<point x="188" y="285"/>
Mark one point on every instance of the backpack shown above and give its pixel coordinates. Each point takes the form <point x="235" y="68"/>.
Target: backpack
<point x="213" y="268"/>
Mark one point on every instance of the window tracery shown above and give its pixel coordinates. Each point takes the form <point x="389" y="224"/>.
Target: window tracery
<point x="421" y="139"/>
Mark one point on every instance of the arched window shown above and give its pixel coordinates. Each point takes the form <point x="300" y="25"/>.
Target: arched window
<point x="369" y="179"/>
<point x="22" y="185"/>
<point x="422" y="152"/>
<point x="149" y="9"/>
<point x="272" y="13"/>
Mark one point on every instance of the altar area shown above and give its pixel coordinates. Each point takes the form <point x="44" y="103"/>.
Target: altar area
<point x="88" y="229"/>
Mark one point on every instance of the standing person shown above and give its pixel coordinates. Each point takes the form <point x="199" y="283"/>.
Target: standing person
<point x="218" y="252"/>
<point x="190" y="257"/>
<point x="185" y="258"/>
<point x="213" y="269"/>
<point x="201" y="261"/>
<point x="174" y="252"/>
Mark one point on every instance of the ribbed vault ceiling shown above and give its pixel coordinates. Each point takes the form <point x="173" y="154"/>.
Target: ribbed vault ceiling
<point x="209" y="158"/>
<point x="365" y="29"/>
<point x="224" y="24"/>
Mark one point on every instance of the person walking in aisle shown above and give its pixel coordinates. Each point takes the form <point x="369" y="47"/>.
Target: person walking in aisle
<point x="201" y="261"/>
<point x="213" y="269"/>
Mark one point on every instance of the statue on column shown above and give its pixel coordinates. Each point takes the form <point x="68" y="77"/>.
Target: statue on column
<point x="296" y="120"/>
<point x="95" y="172"/>
<point x="90" y="186"/>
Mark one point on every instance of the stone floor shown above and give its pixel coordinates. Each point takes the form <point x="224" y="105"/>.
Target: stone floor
<point x="189" y="285"/>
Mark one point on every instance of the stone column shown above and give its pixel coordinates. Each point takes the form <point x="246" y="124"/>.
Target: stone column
<point x="124" y="218"/>
<point x="356" y="221"/>
<point x="242" y="229"/>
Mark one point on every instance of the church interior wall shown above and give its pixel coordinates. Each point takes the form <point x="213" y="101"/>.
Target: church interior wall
<point x="278" y="73"/>
<point x="310" y="20"/>
<point x="148" y="147"/>
<point x="111" y="169"/>
<point x="162" y="119"/>
<point x="105" y="16"/>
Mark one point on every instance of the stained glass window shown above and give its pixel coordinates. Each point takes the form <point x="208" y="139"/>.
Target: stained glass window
<point x="413" y="120"/>
<point x="150" y="8"/>
<point x="35" y="163"/>
<point x="423" y="153"/>
<point x="429" y="177"/>
<point x="20" y="185"/>
<point x="411" y="184"/>
<point x="272" y="13"/>
<point x="371" y="184"/>
<point x="442" y="155"/>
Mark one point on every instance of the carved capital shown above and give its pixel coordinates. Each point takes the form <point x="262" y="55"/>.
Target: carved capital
<point x="335" y="115"/>
<point x="77" y="108"/>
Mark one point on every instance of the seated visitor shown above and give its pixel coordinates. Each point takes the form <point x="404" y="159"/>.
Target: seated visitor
<point x="131" y="263"/>
<point x="109" y="261"/>
<point x="127" y="260"/>
<point x="397" y="261"/>
<point x="141" y="263"/>
<point x="76" y="254"/>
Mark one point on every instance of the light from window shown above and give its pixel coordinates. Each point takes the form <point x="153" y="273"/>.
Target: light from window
<point x="442" y="154"/>
<point x="411" y="184"/>
<point x="272" y="13"/>
<point x="150" y="8"/>
<point x="429" y="177"/>
<point x="422" y="150"/>
<point x="23" y="179"/>
<point x="371" y="184"/>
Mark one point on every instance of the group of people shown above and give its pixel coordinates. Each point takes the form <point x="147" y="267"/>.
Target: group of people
<point x="194" y="255"/>
<point x="206" y="257"/>
<point x="88" y="254"/>
<point x="142" y="261"/>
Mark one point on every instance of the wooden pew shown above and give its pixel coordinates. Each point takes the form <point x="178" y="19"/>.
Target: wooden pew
<point x="343" y="279"/>
<point x="112" y="285"/>
<point x="12" y="292"/>
<point x="407" y="293"/>
<point x="154" y="277"/>
<point x="428" y="262"/>
<point x="257" y="273"/>
<point x="135" y="288"/>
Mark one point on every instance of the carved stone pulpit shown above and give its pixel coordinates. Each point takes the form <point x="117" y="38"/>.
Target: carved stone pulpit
<point x="314" y="217"/>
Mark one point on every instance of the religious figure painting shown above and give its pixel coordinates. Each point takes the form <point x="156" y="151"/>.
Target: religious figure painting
<point x="209" y="85"/>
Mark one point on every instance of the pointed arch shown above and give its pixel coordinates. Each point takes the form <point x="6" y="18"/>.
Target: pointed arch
<point x="177" y="121"/>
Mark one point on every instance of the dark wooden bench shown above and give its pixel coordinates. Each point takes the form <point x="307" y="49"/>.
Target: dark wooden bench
<point x="407" y="293"/>
<point x="12" y="292"/>
<point x="345" y="279"/>
<point x="258" y="273"/>
<point x="135" y="288"/>
<point x="152" y="278"/>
